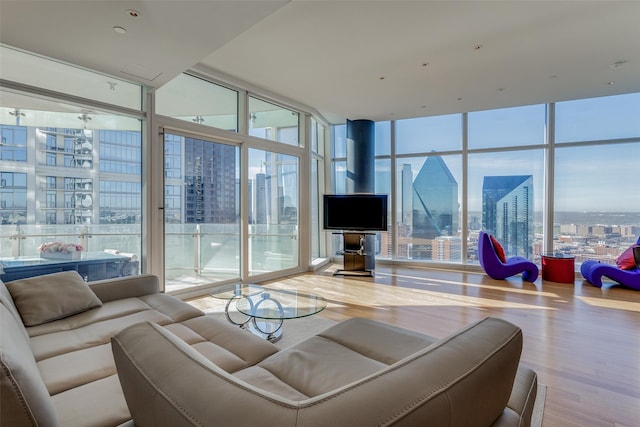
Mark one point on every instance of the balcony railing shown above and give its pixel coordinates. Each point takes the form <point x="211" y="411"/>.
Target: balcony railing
<point x="195" y="254"/>
<point x="25" y="239"/>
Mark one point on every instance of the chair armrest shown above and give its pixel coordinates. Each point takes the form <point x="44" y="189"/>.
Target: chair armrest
<point x="125" y="287"/>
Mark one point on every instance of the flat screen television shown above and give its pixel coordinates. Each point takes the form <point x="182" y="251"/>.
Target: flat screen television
<point x="357" y="212"/>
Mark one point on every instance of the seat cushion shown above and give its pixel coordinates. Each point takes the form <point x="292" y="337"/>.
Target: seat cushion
<point x="95" y="404"/>
<point x="351" y="350"/>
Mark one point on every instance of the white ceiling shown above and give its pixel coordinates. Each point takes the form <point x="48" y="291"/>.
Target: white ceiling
<point x="352" y="59"/>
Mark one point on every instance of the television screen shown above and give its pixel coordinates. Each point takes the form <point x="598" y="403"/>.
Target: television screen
<point x="359" y="212"/>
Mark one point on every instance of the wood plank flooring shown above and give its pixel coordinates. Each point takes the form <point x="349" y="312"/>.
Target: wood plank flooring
<point x="584" y="342"/>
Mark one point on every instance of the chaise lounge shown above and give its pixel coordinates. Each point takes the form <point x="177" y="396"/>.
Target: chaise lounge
<point x="139" y="357"/>
<point x="594" y="271"/>
<point x="501" y="269"/>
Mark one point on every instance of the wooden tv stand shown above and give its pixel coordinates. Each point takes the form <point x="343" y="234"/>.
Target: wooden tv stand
<point x="358" y="255"/>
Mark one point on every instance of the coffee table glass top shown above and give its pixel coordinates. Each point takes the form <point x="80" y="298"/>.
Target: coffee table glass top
<point x="281" y="304"/>
<point x="236" y="290"/>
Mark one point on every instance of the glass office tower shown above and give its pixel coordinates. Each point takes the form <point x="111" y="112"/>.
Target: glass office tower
<point x="435" y="200"/>
<point x="435" y="207"/>
<point x="507" y="212"/>
<point x="210" y="182"/>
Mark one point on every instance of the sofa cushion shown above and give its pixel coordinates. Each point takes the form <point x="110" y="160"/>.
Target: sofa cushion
<point x="24" y="399"/>
<point x="107" y="311"/>
<point x="226" y="345"/>
<point x="56" y="343"/>
<point x="95" y="404"/>
<point x="350" y="350"/>
<point x="69" y="370"/>
<point x="42" y="299"/>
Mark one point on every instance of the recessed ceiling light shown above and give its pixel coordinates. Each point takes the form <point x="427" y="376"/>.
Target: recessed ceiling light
<point x="381" y="77"/>
<point x="611" y="83"/>
<point x="119" y="30"/>
<point x="477" y="47"/>
<point x="425" y="64"/>
<point x="133" y="13"/>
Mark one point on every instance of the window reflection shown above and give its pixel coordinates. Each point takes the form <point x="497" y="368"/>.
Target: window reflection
<point x="269" y="121"/>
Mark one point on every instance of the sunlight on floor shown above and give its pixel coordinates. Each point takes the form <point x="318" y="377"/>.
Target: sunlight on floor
<point x="607" y="303"/>
<point x="380" y="295"/>
<point x="435" y="282"/>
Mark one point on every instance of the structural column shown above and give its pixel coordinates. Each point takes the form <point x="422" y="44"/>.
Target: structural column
<point x="360" y="156"/>
<point x="361" y="174"/>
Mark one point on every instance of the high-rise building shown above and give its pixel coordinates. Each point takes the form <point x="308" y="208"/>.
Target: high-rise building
<point x="446" y="248"/>
<point x="69" y="175"/>
<point x="434" y="205"/>
<point x="406" y="213"/>
<point x="435" y="200"/>
<point x="507" y="212"/>
<point x="210" y="180"/>
<point x="261" y="199"/>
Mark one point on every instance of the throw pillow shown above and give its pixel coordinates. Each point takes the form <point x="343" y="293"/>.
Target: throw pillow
<point x="50" y="297"/>
<point x="498" y="248"/>
<point x="625" y="260"/>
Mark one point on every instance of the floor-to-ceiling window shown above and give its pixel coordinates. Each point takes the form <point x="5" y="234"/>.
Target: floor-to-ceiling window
<point x="429" y="188"/>
<point x="506" y="188"/>
<point x="596" y="175"/>
<point x="70" y="172"/>
<point x="232" y="198"/>
<point x="512" y="169"/>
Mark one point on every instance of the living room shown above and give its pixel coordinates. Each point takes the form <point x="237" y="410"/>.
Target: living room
<point x="192" y="254"/>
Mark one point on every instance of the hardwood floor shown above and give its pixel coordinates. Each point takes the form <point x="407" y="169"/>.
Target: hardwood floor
<point x="584" y="342"/>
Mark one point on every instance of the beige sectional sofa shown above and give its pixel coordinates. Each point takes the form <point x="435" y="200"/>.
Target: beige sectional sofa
<point x="177" y="367"/>
<point x="62" y="372"/>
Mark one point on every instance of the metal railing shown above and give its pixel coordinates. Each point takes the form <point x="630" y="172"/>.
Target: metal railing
<point x="191" y="250"/>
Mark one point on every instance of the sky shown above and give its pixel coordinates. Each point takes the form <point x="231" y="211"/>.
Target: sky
<point x="587" y="177"/>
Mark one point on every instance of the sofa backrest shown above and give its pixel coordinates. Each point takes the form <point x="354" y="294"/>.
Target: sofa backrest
<point x="463" y="380"/>
<point x="24" y="399"/>
<point x="7" y="301"/>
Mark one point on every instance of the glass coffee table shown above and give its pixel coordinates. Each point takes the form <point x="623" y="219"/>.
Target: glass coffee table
<point x="269" y="308"/>
<point x="233" y="293"/>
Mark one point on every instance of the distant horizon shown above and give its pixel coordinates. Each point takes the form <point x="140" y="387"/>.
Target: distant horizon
<point x="588" y="217"/>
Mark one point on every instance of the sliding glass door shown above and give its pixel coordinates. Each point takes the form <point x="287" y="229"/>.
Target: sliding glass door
<point x="273" y="211"/>
<point x="201" y="211"/>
